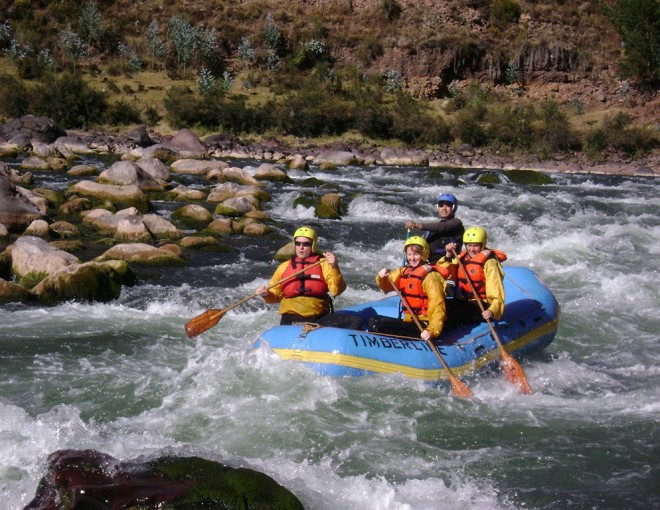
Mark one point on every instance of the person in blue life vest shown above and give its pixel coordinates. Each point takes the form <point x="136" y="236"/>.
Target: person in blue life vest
<point x="483" y="265"/>
<point x="307" y="296"/>
<point x="448" y="229"/>
<point x="421" y="286"/>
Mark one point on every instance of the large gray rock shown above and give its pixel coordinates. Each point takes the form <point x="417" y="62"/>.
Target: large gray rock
<point x="92" y="281"/>
<point x="125" y="196"/>
<point x="188" y="144"/>
<point x="32" y="259"/>
<point x="41" y="129"/>
<point x="16" y="211"/>
<point x="129" y="173"/>
<point x="141" y="253"/>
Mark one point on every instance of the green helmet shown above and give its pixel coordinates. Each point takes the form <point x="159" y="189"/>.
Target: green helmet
<point x="419" y="241"/>
<point x="309" y="233"/>
<point x="475" y="235"/>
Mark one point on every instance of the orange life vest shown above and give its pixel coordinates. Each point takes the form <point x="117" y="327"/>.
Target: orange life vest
<point x="447" y="272"/>
<point x="410" y="285"/>
<point x="475" y="268"/>
<point x="311" y="283"/>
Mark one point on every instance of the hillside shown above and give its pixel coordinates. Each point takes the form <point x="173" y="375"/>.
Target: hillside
<point x="520" y="52"/>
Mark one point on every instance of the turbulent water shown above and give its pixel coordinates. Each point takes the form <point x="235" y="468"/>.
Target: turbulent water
<point x="123" y="379"/>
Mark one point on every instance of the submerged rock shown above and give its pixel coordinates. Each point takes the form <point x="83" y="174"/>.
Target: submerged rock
<point x="91" y="479"/>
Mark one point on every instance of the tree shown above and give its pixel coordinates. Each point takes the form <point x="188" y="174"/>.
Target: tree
<point x="638" y="23"/>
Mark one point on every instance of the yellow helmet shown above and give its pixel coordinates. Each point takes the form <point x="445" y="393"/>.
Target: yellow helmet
<point x="475" y="235"/>
<point x="307" y="232"/>
<point x="419" y="241"/>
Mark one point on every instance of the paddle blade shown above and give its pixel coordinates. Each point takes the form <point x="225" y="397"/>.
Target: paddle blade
<point x="203" y="322"/>
<point x="459" y="388"/>
<point x="515" y="374"/>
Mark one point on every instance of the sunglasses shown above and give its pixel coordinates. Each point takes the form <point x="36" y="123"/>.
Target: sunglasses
<point x="448" y="204"/>
<point x="303" y="243"/>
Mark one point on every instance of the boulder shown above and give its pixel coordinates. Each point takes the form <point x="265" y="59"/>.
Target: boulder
<point x="16" y="211"/>
<point x="193" y="215"/>
<point x="89" y="282"/>
<point x="183" y="193"/>
<point x="267" y="172"/>
<point x="329" y="207"/>
<point x="256" y="229"/>
<point x="38" y="228"/>
<point x="160" y="227"/>
<point x="35" y="163"/>
<point x="32" y="259"/>
<point x="127" y="173"/>
<point x="197" y="166"/>
<point x="140" y="136"/>
<point x="141" y="253"/>
<point x="41" y="129"/>
<point x="197" y="242"/>
<point x="64" y="229"/>
<point x="83" y="170"/>
<point x="298" y="162"/>
<point x="240" y="176"/>
<point x="132" y="229"/>
<point x="337" y="158"/>
<point x="155" y="168"/>
<point x="91" y="479"/>
<point x="404" y="157"/>
<point x="124" y="196"/>
<point x="188" y="144"/>
<point x="11" y="292"/>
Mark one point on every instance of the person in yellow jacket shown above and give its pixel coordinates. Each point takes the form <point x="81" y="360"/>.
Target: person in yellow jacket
<point x="421" y="286"/>
<point x="484" y="270"/>
<point x="306" y="297"/>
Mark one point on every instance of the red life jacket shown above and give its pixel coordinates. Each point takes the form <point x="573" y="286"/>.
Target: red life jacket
<point x="475" y="268"/>
<point x="311" y="283"/>
<point x="410" y="285"/>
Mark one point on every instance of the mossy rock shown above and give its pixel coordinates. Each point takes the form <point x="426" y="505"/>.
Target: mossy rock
<point x="306" y="200"/>
<point x="11" y="292"/>
<point x="30" y="280"/>
<point x="489" y="178"/>
<point x="528" y="177"/>
<point x="311" y="182"/>
<point x="87" y="282"/>
<point x="80" y="479"/>
<point x="225" y="210"/>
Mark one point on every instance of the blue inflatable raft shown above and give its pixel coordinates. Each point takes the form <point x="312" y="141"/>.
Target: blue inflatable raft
<point x="529" y="324"/>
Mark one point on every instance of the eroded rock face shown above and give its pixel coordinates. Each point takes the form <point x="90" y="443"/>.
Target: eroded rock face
<point x="90" y="479"/>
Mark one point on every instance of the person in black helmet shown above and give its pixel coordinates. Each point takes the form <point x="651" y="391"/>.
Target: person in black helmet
<point x="449" y="230"/>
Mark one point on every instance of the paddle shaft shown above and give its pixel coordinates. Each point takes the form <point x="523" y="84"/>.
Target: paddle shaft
<point x="458" y="387"/>
<point x="210" y="318"/>
<point x="513" y="370"/>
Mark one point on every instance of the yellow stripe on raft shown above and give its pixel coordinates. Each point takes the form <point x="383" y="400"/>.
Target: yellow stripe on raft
<point x="428" y="374"/>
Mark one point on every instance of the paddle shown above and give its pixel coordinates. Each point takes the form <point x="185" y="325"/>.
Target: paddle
<point x="210" y="318"/>
<point x="458" y="387"/>
<point x="512" y="369"/>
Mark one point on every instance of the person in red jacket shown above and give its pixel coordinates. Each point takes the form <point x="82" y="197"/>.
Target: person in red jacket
<point x="422" y="287"/>
<point x="484" y="270"/>
<point x="307" y="296"/>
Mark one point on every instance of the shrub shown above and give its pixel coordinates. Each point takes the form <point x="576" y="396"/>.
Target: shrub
<point x="554" y="132"/>
<point x="504" y="12"/>
<point x="181" y="107"/>
<point x="638" y="23"/>
<point x="69" y="101"/>
<point x="123" y="113"/>
<point x="468" y="129"/>
<point x="14" y="96"/>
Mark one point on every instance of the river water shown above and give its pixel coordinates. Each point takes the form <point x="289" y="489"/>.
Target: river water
<point x="122" y="378"/>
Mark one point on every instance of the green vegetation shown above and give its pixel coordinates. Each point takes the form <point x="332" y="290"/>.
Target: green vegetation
<point x="262" y="69"/>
